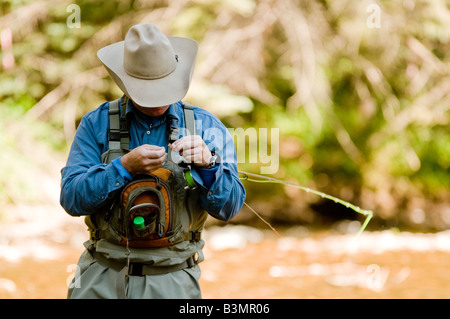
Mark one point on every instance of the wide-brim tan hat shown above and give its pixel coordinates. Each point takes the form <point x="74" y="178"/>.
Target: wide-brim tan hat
<point x="152" y="69"/>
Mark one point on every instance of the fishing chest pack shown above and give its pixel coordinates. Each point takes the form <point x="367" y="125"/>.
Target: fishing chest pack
<point x="154" y="210"/>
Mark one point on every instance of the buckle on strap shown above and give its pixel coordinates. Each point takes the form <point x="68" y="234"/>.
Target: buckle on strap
<point x="196" y="235"/>
<point x="114" y="135"/>
<point x="192" y="261"/>
<point x="142" y="269"/>
<point x="135" y="269"/>
<point x="94" y="234"/>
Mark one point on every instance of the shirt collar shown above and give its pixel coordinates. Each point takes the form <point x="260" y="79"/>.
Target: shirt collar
<point x="154" y="121"/>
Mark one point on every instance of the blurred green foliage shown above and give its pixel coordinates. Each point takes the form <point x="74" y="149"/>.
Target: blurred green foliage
<point x="363" y="111"/>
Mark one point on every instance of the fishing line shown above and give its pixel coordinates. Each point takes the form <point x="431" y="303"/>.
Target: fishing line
<point x="265" y="221"/>
<point x="256" y="178"/>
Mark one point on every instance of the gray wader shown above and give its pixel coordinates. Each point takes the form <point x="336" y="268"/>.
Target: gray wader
<point x="94" y="281"/>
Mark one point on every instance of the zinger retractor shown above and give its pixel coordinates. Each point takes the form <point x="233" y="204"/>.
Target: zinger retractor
<point x="173" y="136"/>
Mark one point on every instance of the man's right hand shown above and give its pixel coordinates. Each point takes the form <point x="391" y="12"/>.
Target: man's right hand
<point x="144" y="159"/>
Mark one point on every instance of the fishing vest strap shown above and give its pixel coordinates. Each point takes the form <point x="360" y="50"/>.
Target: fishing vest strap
<point x="119" y="135"/>
<point x="189" y="121"/>
<point x="189" y="118"/>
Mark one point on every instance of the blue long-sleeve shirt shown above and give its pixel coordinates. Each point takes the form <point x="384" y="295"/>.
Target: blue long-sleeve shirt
<point x="87" y="184"/>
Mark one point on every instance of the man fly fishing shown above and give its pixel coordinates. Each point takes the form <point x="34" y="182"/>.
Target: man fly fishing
<point x="145" y="171"/>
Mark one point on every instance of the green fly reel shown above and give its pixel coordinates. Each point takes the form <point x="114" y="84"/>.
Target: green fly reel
<point x="189" y="179"/>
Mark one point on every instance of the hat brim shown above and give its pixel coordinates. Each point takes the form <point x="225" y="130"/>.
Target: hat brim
<point x="156" y="92"/>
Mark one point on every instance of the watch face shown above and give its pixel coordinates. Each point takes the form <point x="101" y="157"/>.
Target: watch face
<point x="213" y="160"/>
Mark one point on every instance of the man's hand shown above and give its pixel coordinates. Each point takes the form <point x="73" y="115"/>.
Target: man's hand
<point x="144" y="159"/>
<point x="193" y="149"/>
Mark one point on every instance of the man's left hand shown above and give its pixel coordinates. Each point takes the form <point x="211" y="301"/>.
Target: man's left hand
<point x="193" y="149"/>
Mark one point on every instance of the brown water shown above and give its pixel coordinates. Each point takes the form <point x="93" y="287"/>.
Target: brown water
<point x="246" y="263"/>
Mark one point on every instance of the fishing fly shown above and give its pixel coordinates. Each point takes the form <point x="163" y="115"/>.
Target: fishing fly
<point x="265" y="179"/>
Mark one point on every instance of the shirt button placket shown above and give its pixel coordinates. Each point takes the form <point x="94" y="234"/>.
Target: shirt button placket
<point x="147" y="134"/>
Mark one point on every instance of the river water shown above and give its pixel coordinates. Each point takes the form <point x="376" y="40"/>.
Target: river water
<point x="38" y="254"/>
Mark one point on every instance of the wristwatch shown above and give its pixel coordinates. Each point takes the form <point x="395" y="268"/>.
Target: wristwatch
<point x="214" y="160"/>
